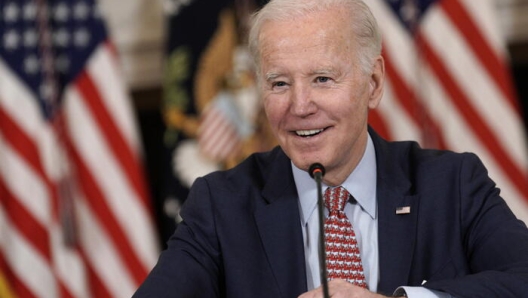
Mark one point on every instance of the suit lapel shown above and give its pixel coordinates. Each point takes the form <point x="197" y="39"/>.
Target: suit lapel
<point x="396" y="232"/>
<point x="278" y="223"/>
<point x="396" y="240"/>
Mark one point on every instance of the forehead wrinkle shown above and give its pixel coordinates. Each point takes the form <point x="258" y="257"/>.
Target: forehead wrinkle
<point x="323" y="71"/>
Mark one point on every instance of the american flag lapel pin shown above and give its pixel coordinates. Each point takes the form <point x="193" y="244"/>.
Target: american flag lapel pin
<point x="403" y="210"/>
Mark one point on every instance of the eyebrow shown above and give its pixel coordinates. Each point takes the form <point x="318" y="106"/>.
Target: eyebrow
<point x="271" y="76"/>
<point x="323" y="71"/>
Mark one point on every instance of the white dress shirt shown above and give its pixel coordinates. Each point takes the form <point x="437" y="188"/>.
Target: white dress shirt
<point x="361" y="210"/>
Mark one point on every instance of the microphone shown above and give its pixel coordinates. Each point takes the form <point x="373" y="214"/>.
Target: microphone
<point x="317" y="172"/>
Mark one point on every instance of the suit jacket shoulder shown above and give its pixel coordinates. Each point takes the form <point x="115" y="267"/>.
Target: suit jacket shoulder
<point x="255" y="172"/>
<point x="240" y="236"/>
<point x="458" y="234"/>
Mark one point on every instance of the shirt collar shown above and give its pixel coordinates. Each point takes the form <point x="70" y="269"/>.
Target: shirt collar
<point x="361" y="183"/>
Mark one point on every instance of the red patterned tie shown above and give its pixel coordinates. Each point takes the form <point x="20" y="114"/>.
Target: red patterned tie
<point x="342" y="252"/>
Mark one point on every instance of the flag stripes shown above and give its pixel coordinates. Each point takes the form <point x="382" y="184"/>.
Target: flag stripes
<point x="217" y="136"/>
<point x="478" y="125"/>
<point x="90" y="140"/>
<point x="120" y="150"/>
<point x="13" y="283"/>
<point x="5" y="287"/>
<point x="415" y="110"/>
<point x="98" y="203"/>
<point x="493" y="64"/>
<point x="449" y="80"/>
<point x="25" y="223"/>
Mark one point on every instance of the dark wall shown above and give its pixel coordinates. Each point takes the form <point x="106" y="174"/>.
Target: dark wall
<point x="148" y="107"/>
<point x="519" y="56"/>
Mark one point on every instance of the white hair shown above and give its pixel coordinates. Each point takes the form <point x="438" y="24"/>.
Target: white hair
<point x="363" y="25"/>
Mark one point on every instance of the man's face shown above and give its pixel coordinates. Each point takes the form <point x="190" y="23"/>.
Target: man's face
<point x="315" y="95"/>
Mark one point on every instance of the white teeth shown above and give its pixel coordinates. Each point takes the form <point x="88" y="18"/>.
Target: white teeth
<point x="306" y="133"/>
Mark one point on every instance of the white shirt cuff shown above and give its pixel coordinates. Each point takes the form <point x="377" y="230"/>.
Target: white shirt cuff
<point x="420" y="292"/>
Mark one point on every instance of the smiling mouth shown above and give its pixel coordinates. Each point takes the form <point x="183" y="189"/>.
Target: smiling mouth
<point x="308" y="133"/>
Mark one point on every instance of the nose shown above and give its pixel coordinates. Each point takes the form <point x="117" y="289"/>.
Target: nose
<point x="302" y="103"/>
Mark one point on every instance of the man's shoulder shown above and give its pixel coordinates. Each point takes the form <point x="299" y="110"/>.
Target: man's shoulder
<point x="409" y="159"/>
<point x="254" y="170"/>
<point x="260" y="162"/>
<point x="413" y="152"/>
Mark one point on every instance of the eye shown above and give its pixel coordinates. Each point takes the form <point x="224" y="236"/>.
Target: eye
<point x="278" y="84"/>
<point x="322" y="79"/>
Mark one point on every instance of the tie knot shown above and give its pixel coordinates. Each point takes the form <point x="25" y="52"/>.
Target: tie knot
<point x="336" y="198"/>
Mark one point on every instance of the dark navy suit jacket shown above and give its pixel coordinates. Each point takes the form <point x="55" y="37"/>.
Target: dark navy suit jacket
<point x="241" y="232"/>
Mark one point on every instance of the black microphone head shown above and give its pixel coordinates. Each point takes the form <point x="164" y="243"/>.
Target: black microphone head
<point x="316" y="168"/>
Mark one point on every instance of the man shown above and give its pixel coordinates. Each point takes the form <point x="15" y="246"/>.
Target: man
<point x="427" y="223"/>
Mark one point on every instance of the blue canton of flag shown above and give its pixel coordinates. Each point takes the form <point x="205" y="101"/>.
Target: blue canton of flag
<point x="410" y="11"/>
<point x="47" y="43"/>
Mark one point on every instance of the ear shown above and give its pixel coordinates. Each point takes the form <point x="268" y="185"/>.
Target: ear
<point x="377" y="79"/>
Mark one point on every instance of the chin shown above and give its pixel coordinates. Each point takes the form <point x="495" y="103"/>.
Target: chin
<point x="304" y="163"/>
<point x="303" y="158"/>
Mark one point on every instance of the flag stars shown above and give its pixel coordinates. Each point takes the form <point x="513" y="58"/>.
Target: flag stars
<point x="44" y="43"/>
<point x="409" y="12"/>
<point x="81" y="11"/>
<point x="61" y="13"/>
<point x="46" y="91"/>
<point x="11" y="12"/>
<point x="11" y="40"/>
<point x="30" y="38"/>
<point x="31" y="64"/>
<point x="30" y="11"/>
<point x="61" y="37"/>
<point x="81" y="38"/>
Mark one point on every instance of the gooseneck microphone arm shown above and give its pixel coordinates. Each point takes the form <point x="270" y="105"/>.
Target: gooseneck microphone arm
<point x="317" y="172"/>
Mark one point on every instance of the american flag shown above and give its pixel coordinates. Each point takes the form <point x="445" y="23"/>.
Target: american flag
<point x="75" y="219"/>
<point x="220" y="133"/>
<point x="449" y="86"/>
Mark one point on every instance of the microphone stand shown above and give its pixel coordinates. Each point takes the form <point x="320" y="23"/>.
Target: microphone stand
<point x="317" y="172"/>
